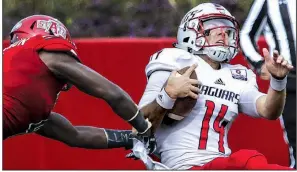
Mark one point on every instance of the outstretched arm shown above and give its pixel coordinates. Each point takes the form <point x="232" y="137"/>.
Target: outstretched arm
<point x="92" y="83"/>
<point x="271" y="105"/>
<point x="59" y="128"/>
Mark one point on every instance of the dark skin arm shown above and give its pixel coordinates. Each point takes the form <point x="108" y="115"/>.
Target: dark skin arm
<point x="89" y="81"/>
<point x="59" y="128"/>
<point x="176" y="87"/>
<point x="155" y="113"/>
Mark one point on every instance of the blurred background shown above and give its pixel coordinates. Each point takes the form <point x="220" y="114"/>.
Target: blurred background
<point x="153" y="25"/>
<point x="114" y="18"/>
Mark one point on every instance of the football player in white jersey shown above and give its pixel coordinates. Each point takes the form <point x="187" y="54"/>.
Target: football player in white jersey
<point x="207" y="39"/>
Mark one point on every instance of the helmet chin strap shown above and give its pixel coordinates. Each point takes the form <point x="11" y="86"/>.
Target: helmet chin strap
<point x="211" y="52"/>
<point x="217" y="54"/>
<point x="206" y="51"/>
<point x="209" y="58"/>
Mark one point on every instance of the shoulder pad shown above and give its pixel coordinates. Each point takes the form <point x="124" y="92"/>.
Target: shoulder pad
<point x="54" y="43"/>
<point x="168" y="59"/>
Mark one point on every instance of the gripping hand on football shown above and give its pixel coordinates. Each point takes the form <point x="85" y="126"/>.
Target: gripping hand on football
<point x="277" y="66"/>
<point x="179" y="86"/>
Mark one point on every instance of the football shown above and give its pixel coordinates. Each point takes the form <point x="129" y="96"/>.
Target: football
<point x="182" y="106"/>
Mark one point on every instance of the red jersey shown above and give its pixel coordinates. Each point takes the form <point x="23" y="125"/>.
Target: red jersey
<point x="30" y="89"/>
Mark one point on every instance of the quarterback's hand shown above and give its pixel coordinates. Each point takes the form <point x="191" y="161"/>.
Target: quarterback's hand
<point x="179" y="86"/>
<point x="277" y="66"/>
<point x="264" y="74"/>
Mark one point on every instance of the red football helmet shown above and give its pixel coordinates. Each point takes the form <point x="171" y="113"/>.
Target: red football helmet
<point x="38" y="25"/>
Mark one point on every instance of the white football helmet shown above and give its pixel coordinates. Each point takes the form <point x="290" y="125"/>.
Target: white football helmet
<point x="196" y="25"/>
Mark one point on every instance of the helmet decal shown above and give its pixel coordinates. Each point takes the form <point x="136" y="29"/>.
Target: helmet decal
<point x="53" y="26"/>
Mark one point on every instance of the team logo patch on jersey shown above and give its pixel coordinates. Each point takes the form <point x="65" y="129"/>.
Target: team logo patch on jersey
<point x="240" y="74"/>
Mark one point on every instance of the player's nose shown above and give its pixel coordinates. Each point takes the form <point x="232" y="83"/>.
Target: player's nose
<point x="223" y="38"/>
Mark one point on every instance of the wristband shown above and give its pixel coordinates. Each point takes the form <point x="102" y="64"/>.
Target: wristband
<point x="278" y="85"/>
<point x="119" y="138"/>
<point x="164" y="100"/>
<point x="149" y="125"/>
<point x="134" y="116"/>
<point x="139" y="123"/>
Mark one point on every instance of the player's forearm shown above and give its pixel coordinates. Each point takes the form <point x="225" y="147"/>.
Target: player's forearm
<point x="124" y="106"/>
<point x="159" y="104"/>
<point x="92" y="83"/>
<point x="59" y="128"/>
<point x="99" y="138"/>
<point x="155" y="113"/>
<point x="273" y="103"/>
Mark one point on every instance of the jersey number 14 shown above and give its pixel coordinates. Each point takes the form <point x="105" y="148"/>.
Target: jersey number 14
<point x="218" y="126"/>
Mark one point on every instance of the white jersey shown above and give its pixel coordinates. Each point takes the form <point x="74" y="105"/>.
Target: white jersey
<point x="202" y="135"/>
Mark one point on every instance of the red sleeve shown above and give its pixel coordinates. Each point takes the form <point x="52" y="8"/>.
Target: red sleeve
<point x="53" y="43"/>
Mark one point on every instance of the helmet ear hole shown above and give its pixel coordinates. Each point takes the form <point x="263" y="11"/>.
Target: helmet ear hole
<point x="186" y="40"/>
<point x="13" y="38"/>
<point x="190" y="50"/>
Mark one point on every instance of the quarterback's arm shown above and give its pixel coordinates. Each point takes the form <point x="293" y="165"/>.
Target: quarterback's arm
<point x="59" y="128"/>
<point x="148" y="103"/>
<point x="162" y="90"/>
<point x="92" y="83"/>
<point x="270" y="106"/>
<point x="256" y="104"/>
<point x="253" y="26"/>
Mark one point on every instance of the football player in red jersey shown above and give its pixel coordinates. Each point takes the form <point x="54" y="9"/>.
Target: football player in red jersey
<point x="42" y="61"/>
